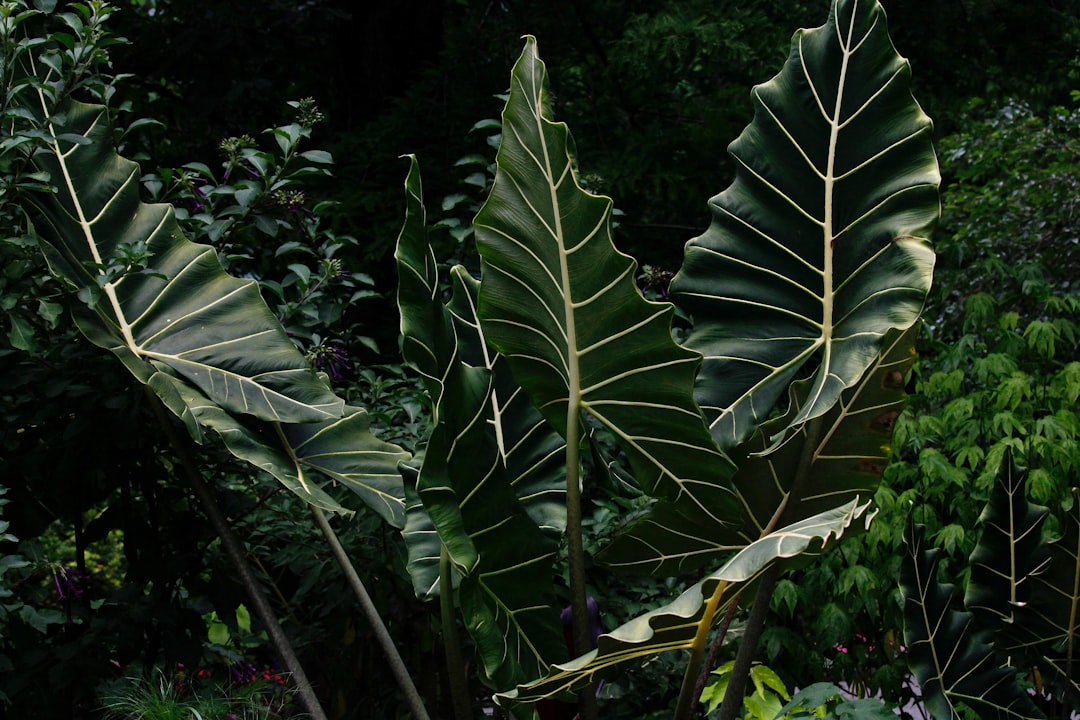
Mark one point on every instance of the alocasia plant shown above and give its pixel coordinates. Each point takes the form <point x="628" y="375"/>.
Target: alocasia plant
<point x="760" y="439"/>
<point x="559" y="302"/>
<point x="816" y="253"/>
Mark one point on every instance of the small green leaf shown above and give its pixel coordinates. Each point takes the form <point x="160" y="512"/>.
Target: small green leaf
<point x="21" y="335"/>
<point x="318" y="156"/>
<point x="49" y="312"/>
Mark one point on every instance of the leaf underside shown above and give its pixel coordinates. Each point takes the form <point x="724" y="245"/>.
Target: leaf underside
<point x="845" y="460"/>
<point x="675" y="625"/>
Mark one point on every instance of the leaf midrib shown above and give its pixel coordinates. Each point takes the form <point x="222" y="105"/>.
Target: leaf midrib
<point x="84" y="224"/>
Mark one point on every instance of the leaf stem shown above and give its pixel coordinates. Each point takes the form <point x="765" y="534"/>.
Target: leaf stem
<point x="579" y="609"/>
<point x="393" y="657"/>
<point x="718" y="642"/>
<point x="744" y="658"/>
<point x="755" y="624"/>
<point x="236" y="554"/>
<point x="455" y="662"/>
<point x="687" y="697"/>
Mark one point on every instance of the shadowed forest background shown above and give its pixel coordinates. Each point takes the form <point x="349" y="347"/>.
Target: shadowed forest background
<point x="124" y="573"/>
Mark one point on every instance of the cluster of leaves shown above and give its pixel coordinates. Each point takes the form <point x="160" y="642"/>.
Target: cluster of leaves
<point x="167" y="696"/>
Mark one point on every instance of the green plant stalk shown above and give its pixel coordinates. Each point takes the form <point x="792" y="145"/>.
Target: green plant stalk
<point x="687" y="696"/>
<point x="579" y="607"/>
<point x="744" y="658"/>
<point x="236" y="554"/>
<point x="755" y="624"/>
<point x="397" y="665"/>
<point x="455" y="662"/>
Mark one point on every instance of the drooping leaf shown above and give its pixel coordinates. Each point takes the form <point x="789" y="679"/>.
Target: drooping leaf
<point x="303" y="456"/>
<point x="493" y="477"/>
<point x="158" y="300"/>
<point x="819" y="246"/>
<point x="949" y="654"/>
<point x="674" y="626"/>
<point x="345" y="451"/>
<point x="559" y="302"/>
<point x="845" y="459"/>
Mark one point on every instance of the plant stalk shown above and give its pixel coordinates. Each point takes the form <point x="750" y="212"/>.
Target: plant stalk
<point x="579" y="608"/>
<point x="755" y="624"/>
<point x="744" y="658"/>
<point x="236" y="554"/>
<point x="718" y="642"/>
<point x="455" y="662"/>
<point x="397" y="665"/>
<point x="687" y="697"/>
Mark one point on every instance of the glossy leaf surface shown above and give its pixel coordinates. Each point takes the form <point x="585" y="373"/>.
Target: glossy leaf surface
<point x="302" y="457"/>
<point x="492" y="478"/>
<point x="160" y="301"/>
<point x="844" y="459"/>
<point x="819" y="246"/>
<point x="1010" y="552"/>
<point x="559" y="302"/>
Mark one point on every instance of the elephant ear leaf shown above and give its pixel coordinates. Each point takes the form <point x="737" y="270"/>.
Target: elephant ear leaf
<point x="302" y="456"/>
<point x="674" y="625"/>
<point x="820" y="245"/>
<point x="1048" y="626"/>
<point x="560" y="303"/>
<point x="492" y="479"/>
<point x="950" y="656"/>
<point x="850" y="447"/>
<point x="157" y="300"/>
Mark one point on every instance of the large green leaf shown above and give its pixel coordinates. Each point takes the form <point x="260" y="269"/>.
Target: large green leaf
<point x="807" y="475"/>
<point x="675" y="625"/>
<point x="158" y="300"/>
<point x="493" y="477"/>
<point x="559" y="302"/>
<point x="949" y="654"/>
<point x="819" y="246"/>
<point x="303" y="456"/>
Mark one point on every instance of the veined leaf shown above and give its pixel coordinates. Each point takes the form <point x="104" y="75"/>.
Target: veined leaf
<point x="1048" y="626"/>
<point x="427" y="340"/>
<point x="674" y="626"/>
<point x="819" y="246"/>
<point x="1010" y="553"/>
<point x="844" y="459"/>
<point x="345" y="451"/>
<point x="170" y="304"/>
<point x="559" y="302"/>
<point x="951" y="657"/>
<point x="342" y="450"/>
<point x="493" y="476"/>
